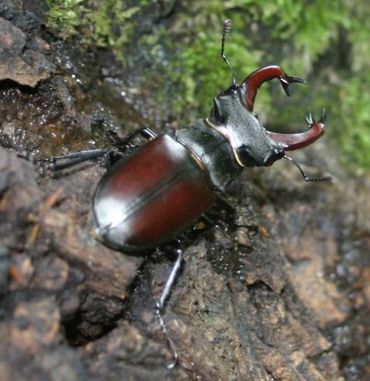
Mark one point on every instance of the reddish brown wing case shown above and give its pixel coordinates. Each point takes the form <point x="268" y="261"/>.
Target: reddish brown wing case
<point x="151" y="196"/>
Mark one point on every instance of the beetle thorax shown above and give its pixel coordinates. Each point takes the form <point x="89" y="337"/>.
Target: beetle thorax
<point x="249" y="139"/>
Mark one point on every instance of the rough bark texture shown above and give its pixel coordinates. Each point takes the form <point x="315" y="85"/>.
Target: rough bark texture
<point x="280" y="290"/>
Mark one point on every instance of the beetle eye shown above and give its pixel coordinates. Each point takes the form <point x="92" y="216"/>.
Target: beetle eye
<point x="230" y="90"/>
<point x="275" y="156"/>
<point x="251" y="161"/>
<point x="245" y="156"/>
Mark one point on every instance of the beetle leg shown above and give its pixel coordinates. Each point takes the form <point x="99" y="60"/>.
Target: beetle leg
<point x="295" y="141"/>
<point x="59" y="163"/>
<point x="122" y="143"/>
<point x="161" y="303"/>
<point x="252" y="83"/>
<point x="224" y="204"/>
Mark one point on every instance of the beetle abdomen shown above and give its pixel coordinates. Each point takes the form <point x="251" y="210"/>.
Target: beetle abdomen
<point x="151" y="196"/>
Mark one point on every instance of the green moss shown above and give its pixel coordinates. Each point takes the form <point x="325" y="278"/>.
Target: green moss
<point x="110" y="23"/>
<point x="203" y="74"/>
<point x="354" y="120"/>
<point x="64" y="16"/>
<point x="102" y="23"/>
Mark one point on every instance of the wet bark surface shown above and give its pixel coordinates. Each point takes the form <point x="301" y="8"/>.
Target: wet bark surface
<point x="279" y="290"/>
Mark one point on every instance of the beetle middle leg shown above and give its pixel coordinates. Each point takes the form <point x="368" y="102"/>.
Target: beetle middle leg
<point x="123" y="143"/>
<point x="61" y="163"/>
<point x="222" y="210"/>
<point x="224" y="204"/>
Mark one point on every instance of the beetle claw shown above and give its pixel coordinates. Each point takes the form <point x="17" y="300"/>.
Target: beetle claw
<point x="285" y="85"/>
<point x="309" y="119"/>
<point x="296" y="79"/>
<point x="322" y="119"/>
<point x="286" y="80"/>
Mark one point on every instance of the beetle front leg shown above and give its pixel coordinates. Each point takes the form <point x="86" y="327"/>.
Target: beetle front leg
<point x="252" y="83"/>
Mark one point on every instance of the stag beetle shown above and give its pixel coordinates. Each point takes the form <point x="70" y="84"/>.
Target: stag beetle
<point x="151" y="196"/>
<point x="146" y="199"/>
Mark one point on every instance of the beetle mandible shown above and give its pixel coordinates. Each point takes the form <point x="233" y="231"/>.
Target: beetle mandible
<point x="149" y="197"/>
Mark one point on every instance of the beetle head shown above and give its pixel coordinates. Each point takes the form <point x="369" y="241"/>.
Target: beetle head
<point x="251" y="143"/>
<point x="232" y="115"/>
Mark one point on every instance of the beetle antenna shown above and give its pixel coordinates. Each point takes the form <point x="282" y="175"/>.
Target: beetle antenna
<point x="225" y="31"/>
<point x="304" y="174"/>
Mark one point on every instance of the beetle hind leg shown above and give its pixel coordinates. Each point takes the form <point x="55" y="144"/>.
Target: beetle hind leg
<point x="161" y="304"/>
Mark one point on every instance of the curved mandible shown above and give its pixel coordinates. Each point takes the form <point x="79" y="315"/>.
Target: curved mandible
<point x="295" y="141"/>
<point x="254" y="80"/>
